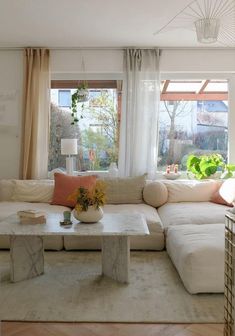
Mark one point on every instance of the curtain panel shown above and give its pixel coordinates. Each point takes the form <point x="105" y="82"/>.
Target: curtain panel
<point x="139" y="121"/>
<point x="36" y="112"/>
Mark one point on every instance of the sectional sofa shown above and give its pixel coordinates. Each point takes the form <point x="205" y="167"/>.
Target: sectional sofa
<point x="179" y="214"/>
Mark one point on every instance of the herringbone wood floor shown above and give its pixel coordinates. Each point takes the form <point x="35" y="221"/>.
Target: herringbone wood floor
<point x="108" y="329"/>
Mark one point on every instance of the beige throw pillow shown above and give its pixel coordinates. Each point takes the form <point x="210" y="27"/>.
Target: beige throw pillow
<point x="155" y="194"/>
<point x="33" y="191"/>
<point x="125" y="190"/>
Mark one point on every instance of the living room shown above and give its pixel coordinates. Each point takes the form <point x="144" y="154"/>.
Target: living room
<point x="169" y="278"/>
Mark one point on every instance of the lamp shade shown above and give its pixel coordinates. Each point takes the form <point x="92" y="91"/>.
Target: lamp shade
<point x="69" y="147"/>
<point x="207" y="30"/>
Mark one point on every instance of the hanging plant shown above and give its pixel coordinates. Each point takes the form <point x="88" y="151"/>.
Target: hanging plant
<point x="81" y="95"/>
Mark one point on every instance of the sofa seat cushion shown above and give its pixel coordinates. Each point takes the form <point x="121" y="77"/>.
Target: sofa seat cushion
<point x="10" y="208"/>
<point x="151" y="215"/>
<point x="192" y="213"/>
<point x="197" y="251"/>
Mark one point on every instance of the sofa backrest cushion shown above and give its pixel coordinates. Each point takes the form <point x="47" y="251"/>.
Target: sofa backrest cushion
<point x="6" y="189"/>
<point x="65" y="185"/>
<point x="191" y="190"/>
<point x="127" y="190"/>
<point x="155" y="194"/>
<point x="39" y="191"/>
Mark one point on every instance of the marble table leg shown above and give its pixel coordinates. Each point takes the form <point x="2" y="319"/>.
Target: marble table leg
<point x="116" y="257"/>
<point x="26" y="256"/>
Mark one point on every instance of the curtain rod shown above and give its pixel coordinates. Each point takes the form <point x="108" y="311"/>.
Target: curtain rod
<point x="121" y="48"/>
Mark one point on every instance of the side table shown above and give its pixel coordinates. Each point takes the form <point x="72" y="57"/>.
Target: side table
<point x="229" y="269"/>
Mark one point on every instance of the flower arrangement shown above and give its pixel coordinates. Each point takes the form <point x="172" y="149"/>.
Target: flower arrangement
<point x="89" y="197"/>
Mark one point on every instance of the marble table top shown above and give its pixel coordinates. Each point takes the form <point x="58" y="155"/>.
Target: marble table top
<point x="110" y="225"/>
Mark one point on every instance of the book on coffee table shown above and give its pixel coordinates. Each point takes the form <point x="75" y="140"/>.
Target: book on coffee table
<point x="31" y="213"/>
<point x="36" y="220"/>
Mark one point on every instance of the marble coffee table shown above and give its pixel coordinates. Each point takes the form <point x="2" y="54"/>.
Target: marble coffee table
<point x="26" y="242"/>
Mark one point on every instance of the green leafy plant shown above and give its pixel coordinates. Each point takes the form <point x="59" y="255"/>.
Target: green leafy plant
<point x="206" y="165"/>
<point x="81" y="95"/>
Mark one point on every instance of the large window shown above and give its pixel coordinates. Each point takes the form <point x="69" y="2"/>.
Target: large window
<point x="97" y="132"/>
<point x="193" y="119"/>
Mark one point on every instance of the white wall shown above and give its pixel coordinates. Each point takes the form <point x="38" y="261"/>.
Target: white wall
<point x="11" y="77"/>
<point x="98" y="64"/>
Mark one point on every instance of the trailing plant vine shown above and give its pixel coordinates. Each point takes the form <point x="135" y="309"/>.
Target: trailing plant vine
<point x="81" y="95"/>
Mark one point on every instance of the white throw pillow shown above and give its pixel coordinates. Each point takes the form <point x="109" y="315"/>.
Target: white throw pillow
<point x="191" y="191"/>
<point x="227" y="190"/>
<point x="155" y="194"/>
<point x="40" y="191"/>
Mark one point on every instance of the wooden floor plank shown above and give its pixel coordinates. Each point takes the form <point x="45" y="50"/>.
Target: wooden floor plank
<point x="108" y="329"/>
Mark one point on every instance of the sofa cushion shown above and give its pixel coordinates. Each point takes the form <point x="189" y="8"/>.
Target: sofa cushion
<point x="191" y="213"/>
<point x="128" y="190"/>
<point x="33" y="191"/>
<point x="218" y="199"/>
<point x="6" y="189"/>
<point x="155" y="194"/>
<point x="197" y="251"/>
<point x="153" y="221"/>
<point x="191" y="190"/>
<point x="10" y="208"/>
<point x="65" y="185"/>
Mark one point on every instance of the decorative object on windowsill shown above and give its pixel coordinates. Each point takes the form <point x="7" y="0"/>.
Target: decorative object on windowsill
<point x="212" y="20"/>
<point x="204" y="166"/>
<point x="89" y="202"/>
<point x="69" y="147"/>
<point x="81" y="95"/>
<point x="172" y="172"/>
<point x="113" y="170"/>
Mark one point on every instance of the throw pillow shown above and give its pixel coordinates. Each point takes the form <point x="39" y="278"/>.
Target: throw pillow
<point x="227" y="191"/>
<point x="66" y="184"/>
<point x="32" y="191"/>
<point x="125" y="190"/>
<point x="217" y="198"/>
<point x="155" y="194"/>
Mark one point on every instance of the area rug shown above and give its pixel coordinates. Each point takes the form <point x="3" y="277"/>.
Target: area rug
<point x="72" y="290"/>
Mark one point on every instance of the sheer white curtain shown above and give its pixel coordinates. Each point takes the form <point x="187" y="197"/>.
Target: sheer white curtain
<point x="139" y="120"/>
<point x="36" y="112"/>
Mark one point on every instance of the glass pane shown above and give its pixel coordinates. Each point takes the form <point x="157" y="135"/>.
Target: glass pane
<point x="217" y="87"/>
<point x="187" y="127"/>
<point x="97" y="132"/>
<point x="185" y="86"/>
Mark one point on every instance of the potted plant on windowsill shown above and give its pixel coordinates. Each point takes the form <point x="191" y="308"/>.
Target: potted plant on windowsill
<point x="81" y="95"/>
<point x="205" y="166"/>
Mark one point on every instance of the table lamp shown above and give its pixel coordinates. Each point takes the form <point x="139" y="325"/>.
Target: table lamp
<point x="69" y="147"/>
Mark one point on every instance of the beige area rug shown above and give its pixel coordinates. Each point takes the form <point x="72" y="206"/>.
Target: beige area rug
<point x="72" y="289"/>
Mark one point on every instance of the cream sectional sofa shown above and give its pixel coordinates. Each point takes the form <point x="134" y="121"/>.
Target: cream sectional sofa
<point x="11" y="201"/>
<point x="187" y="224"/>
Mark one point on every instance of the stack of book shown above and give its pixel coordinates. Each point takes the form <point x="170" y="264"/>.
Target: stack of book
<point x="32" y="217"/>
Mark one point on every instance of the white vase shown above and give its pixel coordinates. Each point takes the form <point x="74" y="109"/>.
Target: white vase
<point x="92" y="215"/>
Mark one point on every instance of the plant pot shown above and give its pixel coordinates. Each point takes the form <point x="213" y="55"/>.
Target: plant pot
<point x="92" y="215"/>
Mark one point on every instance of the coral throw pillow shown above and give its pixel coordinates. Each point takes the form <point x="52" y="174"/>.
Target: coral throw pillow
<point x="65" y="185"/>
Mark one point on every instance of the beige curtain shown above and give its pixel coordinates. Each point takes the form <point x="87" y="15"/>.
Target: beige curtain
<point x="36" y="111"/>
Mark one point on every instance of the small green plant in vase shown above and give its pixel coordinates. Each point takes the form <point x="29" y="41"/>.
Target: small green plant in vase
<point x="205" y="166"/>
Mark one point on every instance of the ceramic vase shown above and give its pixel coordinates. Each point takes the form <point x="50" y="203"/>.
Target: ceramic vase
<point x="92" y="215"/>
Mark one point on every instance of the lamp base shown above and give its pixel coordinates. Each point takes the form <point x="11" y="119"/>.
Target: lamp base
<point x="69" y="165"/>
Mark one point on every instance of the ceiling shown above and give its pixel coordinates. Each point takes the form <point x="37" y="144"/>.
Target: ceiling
<point x="92" y="23"/>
